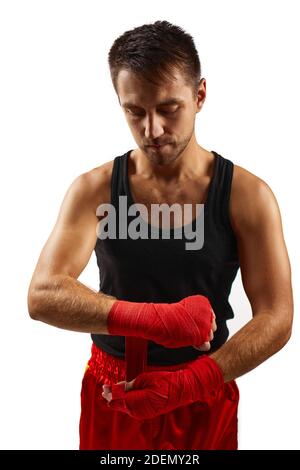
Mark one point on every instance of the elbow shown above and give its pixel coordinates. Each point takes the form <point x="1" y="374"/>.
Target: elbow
<point x="287" y="335"/>
<point x="286" y="331"/>
<point x="289" y="324"/>
<point x="283" y="340"/>
<point x="40" y="299"/>
<point x="34" y="303"/>
<point x="289" y="318"/>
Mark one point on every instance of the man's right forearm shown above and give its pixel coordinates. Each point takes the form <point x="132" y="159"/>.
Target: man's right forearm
<point x="65" y="302"/>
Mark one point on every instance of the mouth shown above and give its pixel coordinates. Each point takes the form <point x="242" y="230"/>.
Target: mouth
<point x="157" y="146"/>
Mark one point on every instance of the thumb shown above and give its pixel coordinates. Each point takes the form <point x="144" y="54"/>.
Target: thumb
<point x="117" y="391"/>
<point x="127" y="385"/>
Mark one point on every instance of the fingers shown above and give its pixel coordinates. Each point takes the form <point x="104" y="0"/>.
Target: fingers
<point x="107" y="394"/>
<point x="129" y="385"/>
<point x="204" y="347"/>
<point x="214" y="324"/>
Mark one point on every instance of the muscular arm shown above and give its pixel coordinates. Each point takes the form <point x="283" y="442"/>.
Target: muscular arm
<point x="266" y="278"/>
<point x="55" y="296"/>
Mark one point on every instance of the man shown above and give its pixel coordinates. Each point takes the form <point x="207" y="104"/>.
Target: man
<point x="150" y="382"/>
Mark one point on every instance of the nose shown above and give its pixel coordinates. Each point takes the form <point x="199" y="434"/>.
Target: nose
<point x="153" y="128"/>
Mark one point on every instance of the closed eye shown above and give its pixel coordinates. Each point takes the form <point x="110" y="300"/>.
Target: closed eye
<point x="162" y="111"/>
<point x="169" y="111"/>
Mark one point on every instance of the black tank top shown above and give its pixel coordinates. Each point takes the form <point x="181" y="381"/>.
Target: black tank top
<point x="162" y="270"/>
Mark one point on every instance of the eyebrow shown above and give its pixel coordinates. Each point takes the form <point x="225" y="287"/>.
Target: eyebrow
<point x="127" y="104"/>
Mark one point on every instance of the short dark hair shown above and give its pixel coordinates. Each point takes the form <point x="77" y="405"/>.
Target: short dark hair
<point x="152" y="51"/>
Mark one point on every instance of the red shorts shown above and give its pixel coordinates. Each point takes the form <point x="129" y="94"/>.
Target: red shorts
<point x="197" y="426"/>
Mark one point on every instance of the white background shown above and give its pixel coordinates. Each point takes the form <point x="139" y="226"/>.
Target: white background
<point x="60" y="117"/>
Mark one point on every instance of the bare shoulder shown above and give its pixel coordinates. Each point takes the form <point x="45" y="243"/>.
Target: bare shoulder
<point x="251" y="201"/>
<point x="93" y="186"/>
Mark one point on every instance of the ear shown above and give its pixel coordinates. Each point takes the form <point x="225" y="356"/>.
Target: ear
<point x="201" y="94"/>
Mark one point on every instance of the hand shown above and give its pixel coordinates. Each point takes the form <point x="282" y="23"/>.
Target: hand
<point x="188" y="322"/>
<point x="206" y="346"/>
<point x="107" y="393"/>
<point x="155" y="393"/>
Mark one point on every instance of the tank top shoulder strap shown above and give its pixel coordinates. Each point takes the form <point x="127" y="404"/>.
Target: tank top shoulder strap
<point x="117" y="179"/>
<point x="221" y="190"/>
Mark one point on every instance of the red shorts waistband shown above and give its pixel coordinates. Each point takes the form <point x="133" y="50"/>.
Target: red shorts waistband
<point x="109" y="369"/>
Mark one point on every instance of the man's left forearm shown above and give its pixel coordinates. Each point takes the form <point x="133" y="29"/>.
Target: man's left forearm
<point x="259" y="339"/>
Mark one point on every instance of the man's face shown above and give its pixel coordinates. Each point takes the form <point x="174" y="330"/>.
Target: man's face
<point x="163" y="115"/>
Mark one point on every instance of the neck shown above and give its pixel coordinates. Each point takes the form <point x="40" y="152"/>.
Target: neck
<point x="191" y="161"/>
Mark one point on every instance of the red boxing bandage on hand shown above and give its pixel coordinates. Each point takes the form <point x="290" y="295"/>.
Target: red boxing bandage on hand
<point x="156" y="393"/>
<point x="184" y="323"/>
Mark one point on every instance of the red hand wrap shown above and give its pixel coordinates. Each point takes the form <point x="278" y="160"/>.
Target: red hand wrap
<point x="156" y="393"/>
<point x="173" y="325"/>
